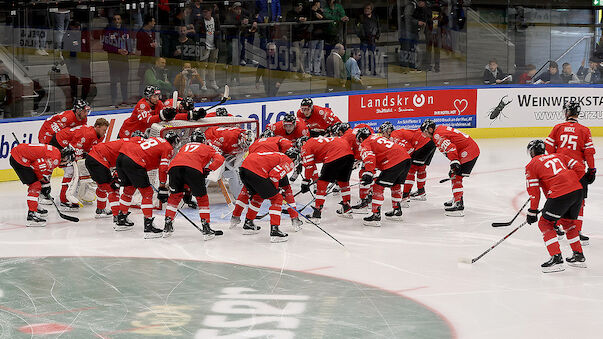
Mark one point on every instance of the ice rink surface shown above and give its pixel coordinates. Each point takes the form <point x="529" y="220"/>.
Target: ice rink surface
<point x="401" y="280"/>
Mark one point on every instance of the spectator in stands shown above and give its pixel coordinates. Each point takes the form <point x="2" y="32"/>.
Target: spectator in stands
<point x="317" y="42"/>
<point x="551" y="76"/>
<point x="146" y="44"/>
<point x="76" y="55"/>
<point x="239" y="18"/>
<point x="270" y="72"/>
<point x="196" y="12"/>
<point x="268" y="11"/>
<point x="526" y="77"/>
<point x="422" y="15"/>
<point x="353" y="71"/>
<point x="592" y="74"/>
<point x="494" y="75"/>
<point x="158" y="76"/>
<point x="299" y="34"/>
<point x="60" y="19"/>
<point x="567" y="76"/>
<point x="188" y="83"/>
<point x="209" y="35"/>
<point x="185" y="48"/>
<point x="336" y="73"/>
<point x="117" y="43"/>
<point x="409" y="35"/>
<point x="367" y="29"/>
<point x="334" y="11"/>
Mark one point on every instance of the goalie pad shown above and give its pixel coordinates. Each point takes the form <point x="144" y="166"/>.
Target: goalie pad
<point x="82" y="189"/>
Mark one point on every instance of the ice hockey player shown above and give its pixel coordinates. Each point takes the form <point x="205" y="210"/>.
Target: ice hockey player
<point x="378" y="152"/>
<point x="261" y="173"/>
<point x="557" y="175"/>
<point x="78" y="116"/>
<point x="190" y="167"/>
<point x="34" y="165"/>
<point x="317" y="119"/>
<point x="268" y="142"/>
<point x="81" y="138"/>
<point x="290" y="127"/>
<point x="229" y="140"/>
<point x="185" y="109"/>
<point x="574" y="140"/>
<point x="462" y="152"/>
<point x="338" y="161"/>
<point x="133" y="163"/>
<point x="220" y="112"/>
<point x="421" y="150"/>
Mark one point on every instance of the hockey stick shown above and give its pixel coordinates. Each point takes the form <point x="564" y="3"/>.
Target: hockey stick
<point x="174" y="99"/>
<point x="64" y="216"/>
<point x="227" y="197"/>
<point x="504" y="224"/>
<point x="225" y="97"/>
<point x="471" y="261"/>
<point x="329" y="190"/>
<point x="444" y="180"/>
<point x="315" y="224"/>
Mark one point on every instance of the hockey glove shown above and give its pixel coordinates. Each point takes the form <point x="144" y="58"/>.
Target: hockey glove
<point x="305" y="186"/>
<point x="163" y="194"/>
<point x="296" y="173"/>
<point x="590" y="175"/>
<point x="197" y="114"/>
<point x="167" y="114"/>
<point x="532" y="216"/>
<point x="455" y="168"/>
<point x="367" y="178"/>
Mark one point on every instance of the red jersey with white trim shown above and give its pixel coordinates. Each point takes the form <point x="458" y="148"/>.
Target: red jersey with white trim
<point x="455" y="144"/>
<point x="225" y="138"/>
<point x="213" y="115"/>
<point x="572" y="139"/>
<point x="82" y="138"/>
<point x="142" y="117"/>
<point x="198" y="156"/>
<point x="322" y="150"/>
<point x="106" y="152"/>
<point x="152" y="153"/>
<point x="320" y="119"/>
<point x="411" y="139"/>
<point x="381" y="153"/>
<point x="181" y="113"/>
<point x="268" y="165"/>
<point x="272" y="144"/>
<point x="350" y="137"/>
<point x="41" y="158"/>
<point x="300" y="130"/>
<point x="557" y="175"/>
<point x="58" y="122"/>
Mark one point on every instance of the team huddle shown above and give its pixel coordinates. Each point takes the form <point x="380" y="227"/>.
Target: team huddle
<point x="295" y="146"/>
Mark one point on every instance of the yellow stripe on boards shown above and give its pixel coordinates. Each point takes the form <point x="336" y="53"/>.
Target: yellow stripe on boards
<point x="10" y="175"/>
<point x="518" y="132"/>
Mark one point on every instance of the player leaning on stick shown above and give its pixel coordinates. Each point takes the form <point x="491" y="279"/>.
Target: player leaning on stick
<point x="190" y="167"/>
<point x="574" y="140"/>
<point x="34" y="165"/>
<point x="462" y="152"/>
<point x="557" y="175"/>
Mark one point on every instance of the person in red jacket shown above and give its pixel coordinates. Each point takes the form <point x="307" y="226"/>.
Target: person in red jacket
<point x="34" y="165"/>
<point x="462" y="152"/>
<point x="78" y="116"/>
<point x="99" y="162"/>
<point x="557" y="175"/>
<point x="318" y="119"/>
<point x="574" y="140"/>
<point x="190" y="167"/>
<point x="229" y="140"/>
<point x="81" y="138"/>
<point x="133" y="163"/>
<point x="261" y="173"/>
<point x="338" y="161"/>
<point x="378" y="152"/>
<point x="290" y="127"/>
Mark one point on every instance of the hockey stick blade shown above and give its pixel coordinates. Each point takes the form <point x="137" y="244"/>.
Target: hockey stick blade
<point x="444" y="180"/>
<point x="505" y="224"/>
<point x="64" y="216"/>
<point x="174" y="99"/>
<point x="466" y="261"/>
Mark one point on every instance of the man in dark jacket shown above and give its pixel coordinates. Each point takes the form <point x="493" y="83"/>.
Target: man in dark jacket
<point x="493" y="74"/>
<point x="422" y="16"/>
<point x="299" y="35"/>
<point x="269" y="72"/>
<point x="118" y="45"/>
<point x="367" y="29"/>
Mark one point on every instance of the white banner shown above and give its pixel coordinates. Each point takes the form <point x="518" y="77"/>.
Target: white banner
<point x="536" y="106"/>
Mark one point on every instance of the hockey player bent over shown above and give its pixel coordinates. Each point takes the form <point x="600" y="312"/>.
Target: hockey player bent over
<point x="290" y="127"/>
<point x="377" y="152"/>
<point x="34" y="165"/>
<point x="317" y="119"/>
<point x="557" y="175"/>
<point x="462" y="152"/>
<point x="78" y="116"/>
<point x="190" y="167"/>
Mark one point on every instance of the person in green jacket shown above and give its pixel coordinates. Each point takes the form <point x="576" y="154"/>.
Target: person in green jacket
<point x="158" y="76"/>
<point x="334" y="11"/>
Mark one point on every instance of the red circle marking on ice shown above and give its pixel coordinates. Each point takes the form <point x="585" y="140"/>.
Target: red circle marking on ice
<point x="39" y="329"/>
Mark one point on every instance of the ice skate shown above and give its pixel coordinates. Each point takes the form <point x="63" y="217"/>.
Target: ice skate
<point x="42" y="213"/>
<point x="99" y="214"/>
<point x="555" y="264"/>
<point x="315" y="216"/>
<point x="207" y="232"/>
<point x="45" y="199"/>
<point x="122" y="223"/>
<point x="168" y="228"/>
<point x="577" y="260"/>
<point x="69" y="207"/>
<point x="456" y="210"/>
<point x="395" y="214"/>
<point x="345" y="211"/>
<point x="449" y="203"/>
<point x="34" y="220"/>
<point x="361" y="207"/>
<point x="419" y="195"/>
<point x="297" y="224"/>
<point x="373" y="220"/>
<point x="250" y="228"/>
<point x="234" y="221"/>
<point x="150" y="231"/>
<point x="277" y="235"/>
<point x="584" y="239"/>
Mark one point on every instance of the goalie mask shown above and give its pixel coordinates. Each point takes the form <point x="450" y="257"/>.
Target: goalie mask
<point x="67" y="154"/>
<point x="172" y="137"/>
<point x="187" y="104"/>
<point x="198" y="136"/>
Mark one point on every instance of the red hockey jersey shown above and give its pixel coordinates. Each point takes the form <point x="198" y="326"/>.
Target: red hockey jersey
<point x="198" y="156"/>
<point x="411" y="139"/>
<point x="455" y="144"/>
<point x="379" y="152"/>
<point x="41" y="158"/>
<point x="106" y="152"/>
<point x="320" y="119"/>
<point x="269" y="165"/>
<point x="58" y="122"/>
<point x="299" y="131"/>
<point x="272" y="144"/>
<point x="213" y="115"/>
<point x="82" y="138"/>
<point x="152" y="153"/>
<point x="322" y="150"/>
<point x="350" y="137"/>
<point x="572" y="139"/>
<point x="142" y="117"/>
<point x="225" y="138"/>
<point x="557" y="174"/>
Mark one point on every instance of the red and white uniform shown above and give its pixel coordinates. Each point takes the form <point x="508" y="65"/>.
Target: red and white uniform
<point x="456" y="145"/>
<point x="272" y="144"/>
<point x="152" y="153"/>
<point x="320" y="119"/>
<point x="412" y="140"/>
<point x="574" y="140"/>
<point x="142" y="117"/>
<point x="378" y="152"/>
<point x="81" y="138"/>
<point x="350" y="137"/>
<point x="106" y="152"/>
<point x="213" y="115"/>
<point x="58" y="122"/>
<point x="181" y="114"/>
<point x="299" y="131"/>
<point x="322" y="150"/>
<point x="225" y="138"/>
